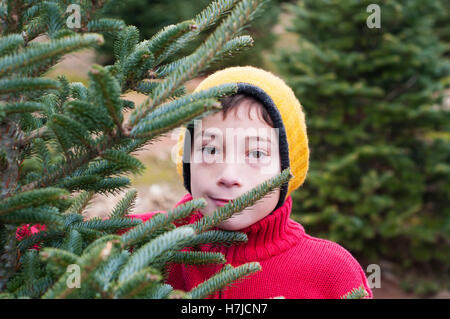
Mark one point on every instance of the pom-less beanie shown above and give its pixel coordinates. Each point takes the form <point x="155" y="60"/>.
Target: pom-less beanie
<point x="285" y="111"/>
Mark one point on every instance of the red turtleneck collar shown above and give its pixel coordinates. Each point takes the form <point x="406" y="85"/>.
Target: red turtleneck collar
<point x="268" y="237"/>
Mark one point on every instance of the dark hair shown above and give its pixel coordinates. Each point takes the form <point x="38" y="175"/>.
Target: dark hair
<point x="230" y="102"/>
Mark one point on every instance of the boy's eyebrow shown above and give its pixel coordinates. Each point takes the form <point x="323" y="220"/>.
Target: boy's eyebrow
<point x="205" y="134"/>
<point x="257" y="137"/>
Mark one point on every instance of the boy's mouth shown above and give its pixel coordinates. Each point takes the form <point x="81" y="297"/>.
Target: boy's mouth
<point x="220" y="201"/>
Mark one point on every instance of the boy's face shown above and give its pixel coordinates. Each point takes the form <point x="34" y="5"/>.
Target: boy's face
<point x="242" y="153"/>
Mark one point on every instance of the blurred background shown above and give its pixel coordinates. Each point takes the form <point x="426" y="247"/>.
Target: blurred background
<point x="374" y="84"/>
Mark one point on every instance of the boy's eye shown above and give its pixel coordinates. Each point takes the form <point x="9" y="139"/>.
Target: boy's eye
<point x="209" y="150"/>
<point x="257" y="154"/>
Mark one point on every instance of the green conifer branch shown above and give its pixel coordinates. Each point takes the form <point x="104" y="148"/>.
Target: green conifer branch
<point x="80" y="202"/>
<point x="19" y="85"/>
<point x="201" y="58"/>
<point x="76" y="129"/>
<point x="235" y="46"/>
<point x="22" y="107"/>
<point x="135" y="67"/>
<point x="10" y="43"/>
<point x="112" y="185"/>
<point x="138" y="283"/>
<point x="106" y="25"/>
<point x="240" y="203"/>
<point x="69" y="166"/>
<point x="356" y="293"/>
<point x="59" y="259"/>
<point x="107" y="224"/>
<point x="106" y="274"/>
<point x="160" y="292"/>
<point x="205" y="19"/>
<point x="147" y="253"/>
<point x="107" y="91"/>
<point x="160" y="221"/>
<point x="39" y="53"/>
<point x="70" y="117"/>
<point x="175" y="105"/>
<point x="79" y="91"/>
<point x="168" y="121"/>
<point x="125" y="205"/>
<point x="100" y="242"/>
<point x="73" y="242"/>
<point x="42" y="215"/>
<point x="94" y="118"/>
<point x="40" y="147"/>
<point x="89" y="261"/>
<point x="218" y="237"/>
<point x="125" y="42"/>
<point x="123" y="159"/>
<point x="222" y="280"/>
<point x="159" y="42"/>
<point x="32" y="198"/>
<point x="39" y="237"/>
<point x="197" y="258"/>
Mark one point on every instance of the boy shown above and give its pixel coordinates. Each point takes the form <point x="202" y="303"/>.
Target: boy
<point x="230" y="154"/>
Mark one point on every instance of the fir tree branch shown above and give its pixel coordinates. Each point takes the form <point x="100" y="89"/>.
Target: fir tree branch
<point x="160" y="292"/>
<point x="10" y="43"/>
<point x="170" y="120"/>
<point x="109" y="93"/>
<point x="218" y="238"/>
<point x="36" y="54"/>
<point x="197" y="258"/>
<point x="89" y="261"/>
<point x="147" y="253"/>
<point x="124" y="206"/>
<point x="80" y="202"/>
<point x="160" y="221"/>
<point x="32" y="198"/>
<point x="201" y="58"/>
<point x="40" y="132"/>
<point x="240" y="203"/>
<point x="356" y="293"/>
<point x="138" y="283"/>
<point x="19" y="85"/>
<point x="222" y="279"/>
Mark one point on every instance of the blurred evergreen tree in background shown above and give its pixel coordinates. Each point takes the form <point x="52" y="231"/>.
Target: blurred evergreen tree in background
<point x="379" y="136"/>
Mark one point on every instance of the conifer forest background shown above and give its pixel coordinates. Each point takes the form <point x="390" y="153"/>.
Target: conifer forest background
<point x="376" y="99"/>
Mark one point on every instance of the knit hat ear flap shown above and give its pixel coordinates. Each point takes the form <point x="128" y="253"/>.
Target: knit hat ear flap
<point x="284" y="109"/>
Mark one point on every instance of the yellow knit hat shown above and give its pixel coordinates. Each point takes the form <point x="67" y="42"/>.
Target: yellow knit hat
<point x="285" y="111"/>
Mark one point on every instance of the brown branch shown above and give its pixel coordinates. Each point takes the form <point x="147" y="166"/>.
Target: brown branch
<point x="34" y="134"/>
<point x="402" y="89"/>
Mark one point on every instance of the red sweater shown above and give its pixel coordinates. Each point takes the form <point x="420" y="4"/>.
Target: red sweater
<point x="294" y="264"/>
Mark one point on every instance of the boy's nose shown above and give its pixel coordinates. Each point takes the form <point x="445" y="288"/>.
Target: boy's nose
<point x="228" y="182"/>
<point x="229" y="177"/>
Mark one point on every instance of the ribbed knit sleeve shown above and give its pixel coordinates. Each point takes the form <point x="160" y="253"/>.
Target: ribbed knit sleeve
<point x="336" y="271"/>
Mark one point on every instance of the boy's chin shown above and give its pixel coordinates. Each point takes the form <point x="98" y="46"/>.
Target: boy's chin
<point x="231" y="225"/>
